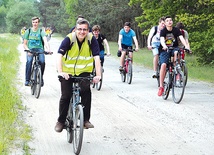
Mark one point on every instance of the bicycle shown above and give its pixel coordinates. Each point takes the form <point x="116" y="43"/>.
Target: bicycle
<point x="174" y="79"/>
<point x="126" y="72"/>
<point x="36" y="73"/>
<point x="99" y="84"/>
<point x="75" y="117"/>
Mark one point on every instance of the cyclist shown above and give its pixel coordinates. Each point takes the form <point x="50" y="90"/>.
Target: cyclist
<point x="77" y="60"/>
<point x="186" y="37"/>
<point x="101" y="40"/>
<point x="33" y="40"/>
<point x="23" y="32"/>
<point x="126" y="35"/>
<point x="80" y="17"/>
<point x="153" y="43"/>
<point x="168" y="38"/>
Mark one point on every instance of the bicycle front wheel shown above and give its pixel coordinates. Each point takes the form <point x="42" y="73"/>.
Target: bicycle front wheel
<point x="185" y="72"/>
<point x="167" y="85"/>
<point x="38" y="82"/>
<point x="69" y="124"/>
<point x="123" y="75"/>
<point x="129" y="73"/>
<point x="32" y="81"/>
<point x="178" y="89"/>
<point x="78" y="126"/>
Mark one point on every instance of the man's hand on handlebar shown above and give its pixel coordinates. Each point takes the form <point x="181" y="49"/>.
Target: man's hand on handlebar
<point x="64" y="75"/>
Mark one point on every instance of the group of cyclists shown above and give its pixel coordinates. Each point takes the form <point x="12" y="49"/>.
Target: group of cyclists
<point x="83" y="49"/>
<point x="162" y="37"/>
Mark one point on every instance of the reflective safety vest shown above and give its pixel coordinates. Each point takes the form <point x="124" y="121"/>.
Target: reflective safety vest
<point x="77" y="61"/>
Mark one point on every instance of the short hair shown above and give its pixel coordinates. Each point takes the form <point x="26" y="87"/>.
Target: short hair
<point x="35" y="18"/>
<point x="127" y="24"/>
<point x="180" y="25"/>
<point x="82" y="21"/>
<point x="167" y="17"/>
<point x="161" y="19"/>
<point x="95" y="28"/>
<point x="80" y="16"/>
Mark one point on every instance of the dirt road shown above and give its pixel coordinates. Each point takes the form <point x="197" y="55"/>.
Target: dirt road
<point x="128" y="119"/>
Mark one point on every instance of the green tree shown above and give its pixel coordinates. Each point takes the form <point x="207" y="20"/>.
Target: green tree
<point x="16" y="19"/>
<point x="197" y="16"/>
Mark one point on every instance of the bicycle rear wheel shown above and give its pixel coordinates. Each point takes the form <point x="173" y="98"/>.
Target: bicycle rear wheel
<point x="32" y="81"/>
<point x="178" y="90"/>
<point x="38" y="82"/>
<point x="78" y="126"/>
<point x="129" y="73"/>
<point x="99" y="84"/>
<point x="167" y="85"/>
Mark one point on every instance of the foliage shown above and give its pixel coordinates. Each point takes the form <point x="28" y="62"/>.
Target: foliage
<point x="3" y="13"/>
<point x="53" y="15"/>
<point x="197" y="15"/>
<point x="12" y="129"/>
<point x="16" y="19"/>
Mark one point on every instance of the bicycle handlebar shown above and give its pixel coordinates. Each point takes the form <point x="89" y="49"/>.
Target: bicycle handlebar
<point x="36" y="52"/>
<point x="90" y="78"/>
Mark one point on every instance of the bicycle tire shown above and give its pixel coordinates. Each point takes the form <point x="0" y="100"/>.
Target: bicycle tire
<point x="129" y="73"/>
<point x="69" y="124"/>
<point x="184" y="69"/>
<point x="99" y="84"/>
<point x="166" y="84"/>
<point x="178" y="91"/>
<point x="78" y="126"/>
<point x="38" y="82"/>
<point x="158" y="74"/>
<point x="32" y="81"/>
<point x="123" y="75"/>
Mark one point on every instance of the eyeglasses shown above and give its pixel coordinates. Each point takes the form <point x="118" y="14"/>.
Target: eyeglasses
<point x="80" y="29"/>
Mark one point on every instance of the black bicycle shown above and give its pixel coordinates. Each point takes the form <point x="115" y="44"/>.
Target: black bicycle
<point x="175" y="78"/>
<point x="126" y="72"/>
<point x="75" y="117"/>
<point x="36" y="73"/>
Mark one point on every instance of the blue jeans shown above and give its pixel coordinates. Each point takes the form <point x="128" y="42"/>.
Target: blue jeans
<point x="29" y="63"/>
<point x="102" y="53"/>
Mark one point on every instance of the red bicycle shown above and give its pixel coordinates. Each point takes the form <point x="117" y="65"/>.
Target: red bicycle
<point x="126" y="73"/>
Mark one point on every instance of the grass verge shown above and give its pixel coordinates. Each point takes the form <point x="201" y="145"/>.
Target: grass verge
<point x="14" y="133"/>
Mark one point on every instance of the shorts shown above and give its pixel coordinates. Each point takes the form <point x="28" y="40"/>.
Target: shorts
<point x="164" y="56"/>
<point x="155" y="47"/>
<point x="126" y="47"/>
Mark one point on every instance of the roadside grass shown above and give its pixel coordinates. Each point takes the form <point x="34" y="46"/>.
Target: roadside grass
<point x="196" y="72"/>
<point x="14" y="133"/>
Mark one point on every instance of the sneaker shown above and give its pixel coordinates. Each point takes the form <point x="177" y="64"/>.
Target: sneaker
<point x="120" y="68"/>
<point x="59" y="127"/>
<point x="160" y="91"/>
<point x="27" y="83"/>
<point x="154" y="75"/>
<point x="87" y="125"/>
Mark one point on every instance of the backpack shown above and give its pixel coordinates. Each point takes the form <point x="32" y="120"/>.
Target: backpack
<point x="40" y="35"/>
<point x="73" y="39"/>
<point x="156" y="29"/>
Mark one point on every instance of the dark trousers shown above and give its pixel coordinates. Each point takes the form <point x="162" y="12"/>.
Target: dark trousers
<point x="66" y="94"/>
